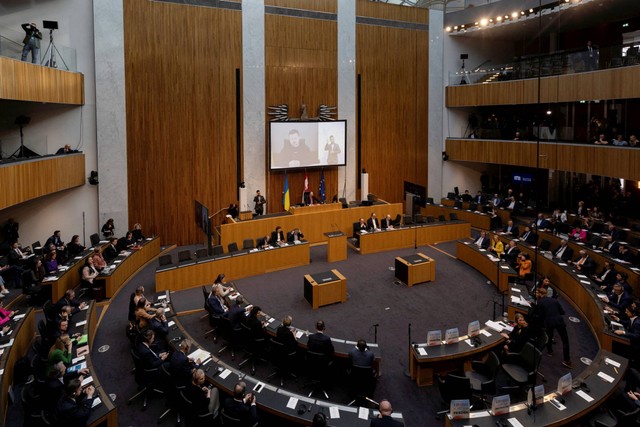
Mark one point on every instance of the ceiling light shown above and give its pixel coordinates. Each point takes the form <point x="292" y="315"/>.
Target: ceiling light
<point x="484" y="22"/>
<point x="448" y="29"/>
<point x="490" y="19"/>
<point x="499" y="18"/>
<point x="514" y="15"/>
<point x="455" y="28"/>
<point x="530" y="10"/>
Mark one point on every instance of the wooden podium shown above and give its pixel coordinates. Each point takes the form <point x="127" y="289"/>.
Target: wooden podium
<point x="413" y="269"/>
<point x="337" y="246"/>
<point x="325" y="288"/>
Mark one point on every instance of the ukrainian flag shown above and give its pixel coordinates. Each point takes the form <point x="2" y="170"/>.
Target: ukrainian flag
<point x="285" y="193"/>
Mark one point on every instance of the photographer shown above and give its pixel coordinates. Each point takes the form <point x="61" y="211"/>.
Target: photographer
<point x="31" y="42"/>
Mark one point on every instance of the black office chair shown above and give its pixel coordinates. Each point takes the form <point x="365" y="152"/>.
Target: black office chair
<point x="429" y="200"/>
<point x="453" y="387"/>
<point x="362" y="380"/>
<point x="540" y="342"/>
<point x="229" y="337"/>
<point x="254" y="346"/>
<point x="36" y="247"/>
<point x="458" y="204"/>
<point x="483" y="377"/>
<point x="282" y="360"/>
<point x="184" y="256"/>
<point x="94" y="239"/>
<point x="248" y="244"/>
<point x="545" y="245"/>
<point x="35" y="293"/>
<point x="594" y="241"/>
<point x="441" y="218"/>
<point x="171" y="397"/>
<point x="397" y="221"/>
<point x="217" y="250"/>
<point x="232" y="247"/>
<point x="522" y="367"/>
<point x="604" y="417"/>
<point x="431" y="219"/>
<point x="149" y="381"/>
<point x="192" y="418"/>
<point x="202" y="253"/>
<point x="214" y="319"/>
<point x="317" y="370"/>
<point x="165" y="260"/>
<point x="230" y="421"/>
<point x="453" y="216"/>
<point x="342" y="200"/>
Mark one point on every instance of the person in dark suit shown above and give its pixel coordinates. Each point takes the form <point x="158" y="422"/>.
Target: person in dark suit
<point x="216" y="300"/>
<point x="203" y="399"/>
<point x="564" y="252"/>
<point x="632" y="329"/>
<point x="619" y="299"/>
<point x="511" y="253"/>
<point x="529" y="236"/>
<point x="372" y="223"/>
<point x="236" y="313"/>
<point x="510" y="229"/>
<point x="584" y="263"/>
<point x="361" y="355"/>
<point x="387" y="223"/>
<point x="361" y="225"/>
<point x="542" y="223"/>
<point x="57" y="378"/>
<point x="148" y="354"/>
<point x="74" y="408"/>
<point x="137" y="232"/>
<point x="111" y="251"/>
<point x="277" y="237"/>
<point x="483" y="241"/>
<point x="551" y="312"/>
<point x="607" y="277"/>
<point x="320" y="342"/>
<point x="384" y="418"/>
<point x="295" y="235"/>
<point x="69" y="299"/>
<point x="286" y="336"/>
<point x="180" y="366"/>
<point x="56" y="241"/>
<point x="479" y="199"/>
<point x="242" y="405"/>
<point x="127" y="242"/>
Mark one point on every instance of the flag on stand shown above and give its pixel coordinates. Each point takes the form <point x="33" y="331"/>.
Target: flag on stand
<point x="285" y="193"/>
<point x="321" y="188"/>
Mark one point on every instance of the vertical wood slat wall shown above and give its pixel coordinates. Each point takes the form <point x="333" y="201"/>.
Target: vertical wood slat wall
<point x="180" y="64"/>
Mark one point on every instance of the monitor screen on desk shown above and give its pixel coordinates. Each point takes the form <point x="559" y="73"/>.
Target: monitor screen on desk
<point x="307" y="144"/>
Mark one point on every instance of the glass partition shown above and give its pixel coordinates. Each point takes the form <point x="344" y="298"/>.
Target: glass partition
<point x="51" y="54"/>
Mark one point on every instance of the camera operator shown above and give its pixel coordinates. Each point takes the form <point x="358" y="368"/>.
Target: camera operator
<point x="31" y="42"/>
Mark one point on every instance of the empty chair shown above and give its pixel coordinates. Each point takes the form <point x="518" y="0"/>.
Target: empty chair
<point x="95" y="239"/>
<point x="441" y="218"/>
<point x="483" y="376"/>
<point x="36" y="247"/>
<point x="248" y="244"/>
<point x="522" y="367"/>
<point x="453" y="387"/>
<point x="458" y="204"/>
<point x="217" y="250"/>
<point x="184" y="256"/>
<point x="344" y="202"/>
<point x="363" y="382"/>
<point x="202" y="253"/>
<point x="473" y="206"/>
<point x="453" y="216"/>
<point x="283" y="361"/>
<point x="372" y="197"/>
<point x="545" y="245"/>
<point x="317" y="368"/>
<point x="165" y="260"/>
<point x="397" y="221"/>
<point x="429" y="200"/>
<point x="232" y="247"/>
<point x="594" y="241"/>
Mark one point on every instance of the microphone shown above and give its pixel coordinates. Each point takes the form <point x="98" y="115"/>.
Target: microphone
<point x="376" y="325"/>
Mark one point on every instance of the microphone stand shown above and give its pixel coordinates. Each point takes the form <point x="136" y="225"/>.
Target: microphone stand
<point x="375" y="333"/>
<point x="407" y="373"/>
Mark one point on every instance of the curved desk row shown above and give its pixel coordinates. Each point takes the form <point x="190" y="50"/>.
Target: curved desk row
<point x="487" y="263"/>
<point x="67" y="276"/>
<point x="407" y="237"/>
<point x="235" y="266"/>
<point x="581" y="291"/>
<point x="477" y="219"/>
<point x="428" y="361"/>
<point x="276" y="400"/>
<point x="20" y="342"/>
<point x="602" y="377"/>
<point x="504" y="214"/>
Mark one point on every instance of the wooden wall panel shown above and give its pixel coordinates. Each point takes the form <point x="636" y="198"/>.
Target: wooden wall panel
<point x="23" y="181"/>
<point x="23" y="81"/>
<point x="329" y="6"/>
<point x="392" y="12"/>
<point x="180" y="63"/>
<point x="617" y="83"/>
<point x="393" y="110"/>
<point x="613" y="161"/>
<point x="301" y="67"/>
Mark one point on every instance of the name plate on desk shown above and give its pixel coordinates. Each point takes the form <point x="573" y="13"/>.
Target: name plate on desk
<point x="434" y="338"/>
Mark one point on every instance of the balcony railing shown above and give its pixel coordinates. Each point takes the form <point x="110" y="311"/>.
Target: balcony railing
<point x="62" y="57"/>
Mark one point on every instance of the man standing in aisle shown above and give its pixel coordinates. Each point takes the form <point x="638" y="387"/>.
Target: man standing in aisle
<point x="260" y="201"/>
<point x="551" y="313"/>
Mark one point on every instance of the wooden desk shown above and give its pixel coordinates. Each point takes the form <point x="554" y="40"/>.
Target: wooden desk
<point x="576" y="407"/>
<point x="415" y="269"/>
<point x="126" y="266"/>
<point x="245" y="215"/>
<point x="447" y="358"/>
<point x="325" y="288"/>
<point x="337" y="246"/>
<point x="234" y="267"/>
<point x="69" y="278"/>
<point x="497" y="272"/>
<point x="23" y="334"/>
<point x="298" y="210"/>
<point x="477" y="219"/>
<point x="407" y="237"/>
<point x="312" y="224"/>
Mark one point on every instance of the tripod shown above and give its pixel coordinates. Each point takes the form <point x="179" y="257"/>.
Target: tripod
<point x="464" y="80"/>
<point x="52" y="50"/>
<point x="22" y="151"/>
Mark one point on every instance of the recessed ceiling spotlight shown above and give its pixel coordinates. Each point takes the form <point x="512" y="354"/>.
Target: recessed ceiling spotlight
<point x="530" y="10"/>
<point x="484" y="22"/>
<point x="448" y="29"/>
<point x="499" y="18"/>
<point x="455" y="28"/>
<point x="522" y="13"/>
<point x="490" y="19"/>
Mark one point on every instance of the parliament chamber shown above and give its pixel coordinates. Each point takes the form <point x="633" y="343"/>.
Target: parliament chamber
<point x="499" y="111"/>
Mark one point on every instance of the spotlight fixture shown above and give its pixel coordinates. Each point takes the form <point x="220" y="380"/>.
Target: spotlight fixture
<point x="499" y="19"/>
<point x="490" y="19"/>
<point x="522" y="12"/>
<point x="484" y="22"/>
<point x="514" y="15"/>
<point x="530" y="10"/>
<point x="548" y="112"/>
<point x="448" y="29"/>
<point x="455" y="28"/>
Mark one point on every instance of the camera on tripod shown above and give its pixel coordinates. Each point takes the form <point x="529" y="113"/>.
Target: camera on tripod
<point x="49" y="58"/>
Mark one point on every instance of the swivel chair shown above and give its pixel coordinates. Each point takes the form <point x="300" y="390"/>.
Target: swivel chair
<point x="317" y="370"/>
<point x="522" y="367"/>
<point x="453" y="387"/>
<point x="94" y="239"/>
<point x="283" y="361"/>
<point x="165" y="260"/>
<point x="483" y="376"/>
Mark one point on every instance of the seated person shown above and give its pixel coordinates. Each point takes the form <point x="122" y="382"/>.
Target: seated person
<point x="74" y="408"/>
<point x="233" y="211"/>
<point x="53" y="387"/>
<point x="579" y="234"/>
<point x="529" y="236"/>
<point x="69" y="299"/>
<point x="623" y="253"/>
<point x="361" y="355"/>
<point x="511" y="253"/>
<point x="144" y="313"/>
<point x="466" y="197"/>
<point x="277" y="237"/>
<point x="61" y="351"/>
<point x="387" y="223"/>
<point x="217" y="301"/>
<point x="56" y="241"/>
<point x="242" y="405"/>
<point x="204" y="400"/>
<point x="497" y="247"/>
<point x="524" y="264"/>
<point x="74" y="247"/>
<point x="360" y="226"/>
<point x="584" y="263"/>
<point x="482" y="241"/>
<point x="51" y="262"/>
<point x="295" y="235"/>
<point x="6" y="315"/>
<point x="137" y="232"/>
<point x="127" y="242"/>
<point x="618" y="299"/>
<point x="541" y="223"/>
<point x="319" y="342"/>
<point x="148" y="353"/>
<point x="384" y="417"/>
<point x="264" y="242"/>
<point x="89" y="273"/>
<point x="237" y="312"/>
<point x="607" y="277"/>
<point x="373" y="224"/>
<point x="518" y="337"/>
<point x="631" y="329"/>
<point x="510" y="229"/>
<point x="564" y="252"/>
<point x="255" y="325"/>
<point x="99" y="262"/>
<point x="181" y="366"/>
<point x="111" y="251"/>
<point x="108" y="228"/>
<point x="159" y="325"/>
<point x="285" y="335"/>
